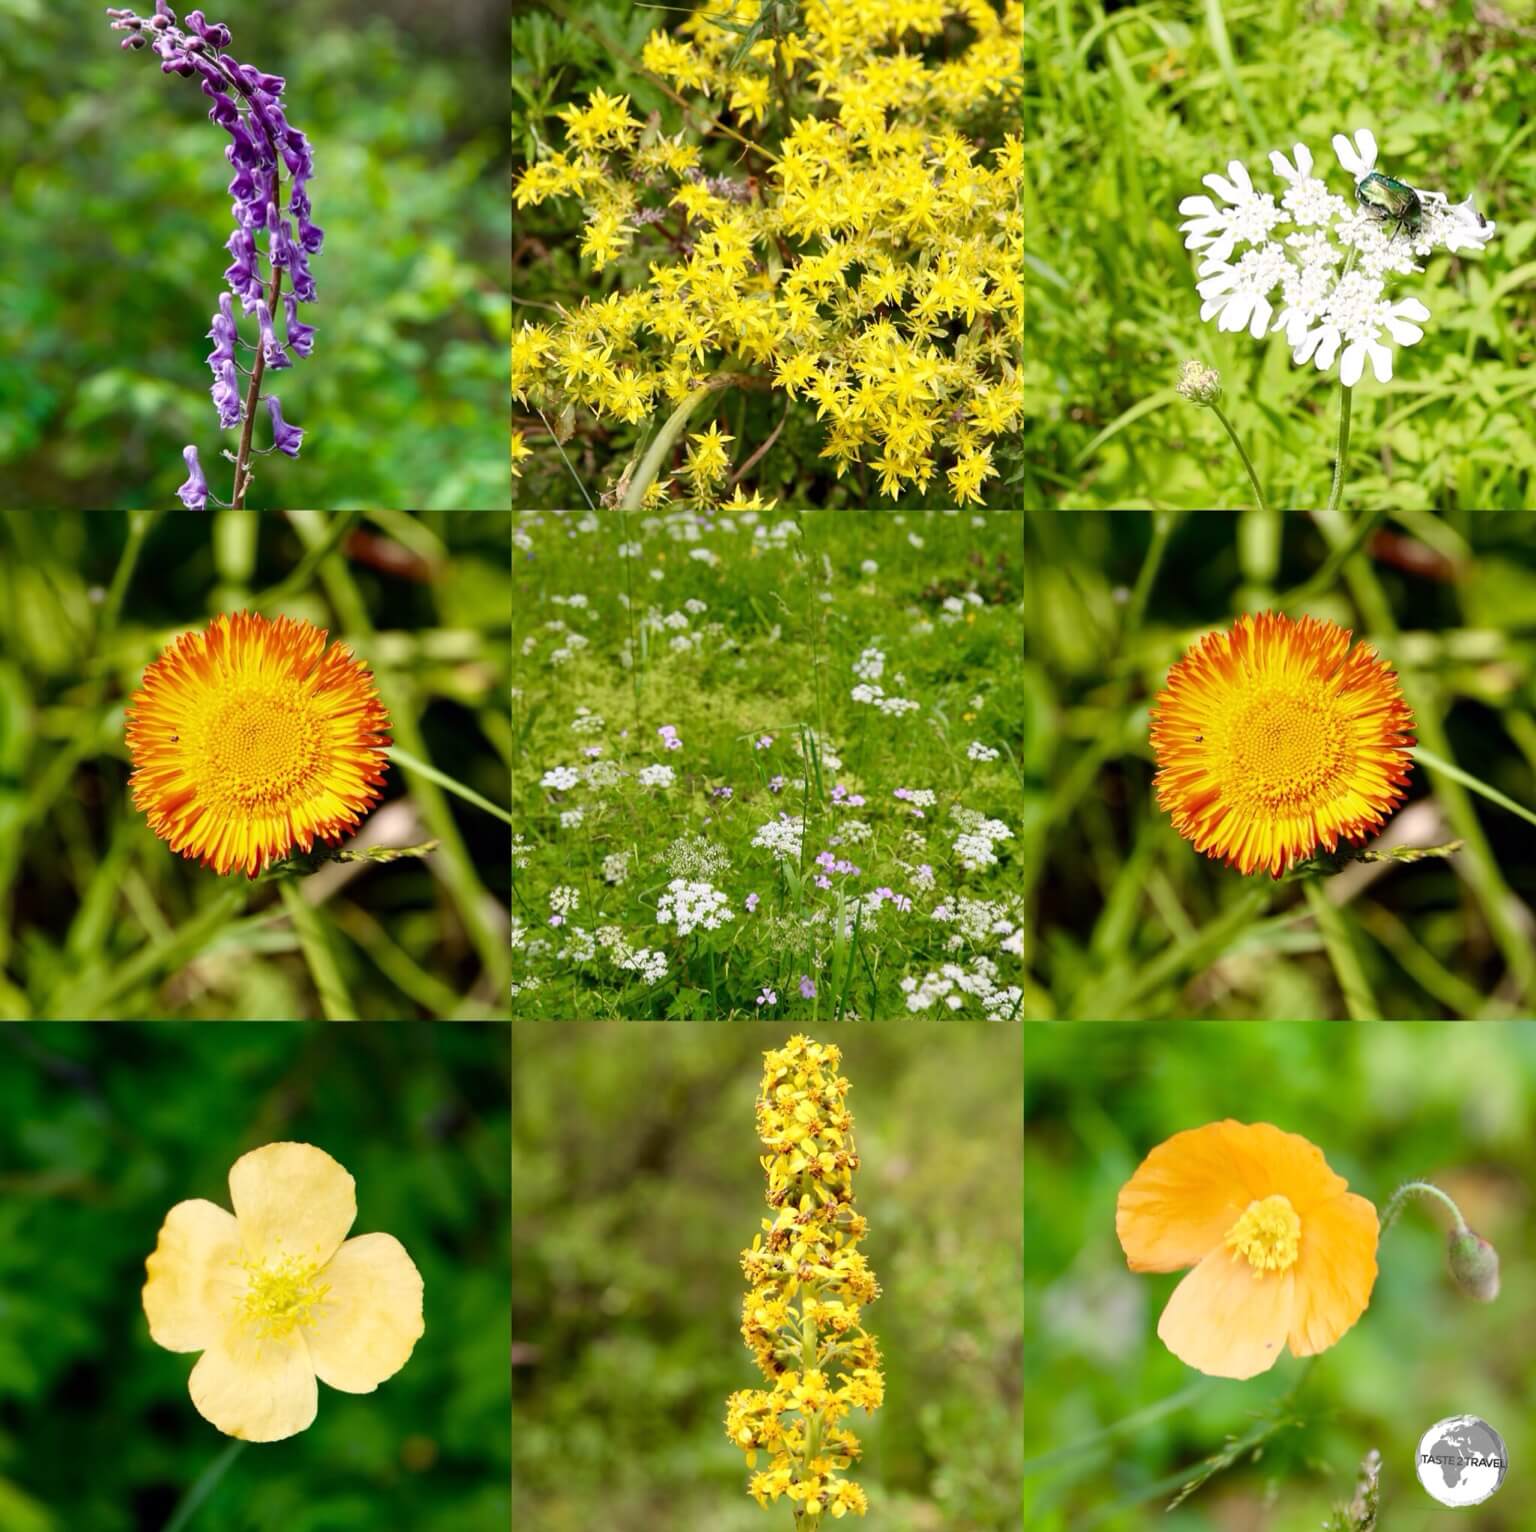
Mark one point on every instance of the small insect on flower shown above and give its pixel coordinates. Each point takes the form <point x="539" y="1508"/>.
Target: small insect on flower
<point x="1387" y="199"/>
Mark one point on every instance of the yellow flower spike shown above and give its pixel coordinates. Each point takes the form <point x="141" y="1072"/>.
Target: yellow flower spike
<point x="276" y="1296"/>
<point x="252" y="738"/>
<point x="801" y="1318"/>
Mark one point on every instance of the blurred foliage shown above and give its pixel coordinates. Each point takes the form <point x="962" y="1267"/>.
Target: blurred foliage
<point x="88" y="887"/>
<point x="114" y="233"/>
<point x="1133" y="104"/>
<point x="103" y="1129"/>
<point x="1385" y="1103"/>
<point x="1114" y="888"/>
<point x="636" y="1185"/>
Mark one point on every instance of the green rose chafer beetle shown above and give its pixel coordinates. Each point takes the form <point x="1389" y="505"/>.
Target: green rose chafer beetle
<point x="1387" y="198"/>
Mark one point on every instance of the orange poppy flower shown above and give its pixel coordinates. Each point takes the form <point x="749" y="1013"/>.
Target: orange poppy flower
<point x="1283" y="1253"/>
<point x="1276" y="738"/>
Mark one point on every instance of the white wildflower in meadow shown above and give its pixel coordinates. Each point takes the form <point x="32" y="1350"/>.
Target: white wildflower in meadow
<point x="693" y="905"/>
<point x="781" y="837"/>
<point x="870" y="665"/>
<point x="892" y="707"/>
<point x="696" y="856"/>
<point x="1325" y="282"/>
<point x="587" y="722"/>
<point x="601" y="775"/>
<point x="974" y="846"/>
<point x="657" y="776"/>
<point x="616" y="868"/>
<point x="869" y="569"/>
<point x="564" y="900"/>
<point x="976" y="751"/>
<point x="520" y="851"/>
<point x="571" y="819"/>
<point x="579" y="946"/>
<point x="561" y="778"/>
<point x="951" y="984"/>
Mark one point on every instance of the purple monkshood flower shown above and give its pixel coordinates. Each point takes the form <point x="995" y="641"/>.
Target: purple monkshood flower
<point x="285" y="438"/>
<point x="194" y="493"/>
<point x="807" y="989"/>
<point x="274" y="233"/>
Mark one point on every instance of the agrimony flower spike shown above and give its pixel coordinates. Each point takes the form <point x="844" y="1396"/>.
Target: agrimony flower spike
<point x="263" y="150"/>
<point x="808" y="1281"/>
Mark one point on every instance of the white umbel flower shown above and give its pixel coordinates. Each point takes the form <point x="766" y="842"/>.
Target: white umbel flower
<point x="1323" y="281"/>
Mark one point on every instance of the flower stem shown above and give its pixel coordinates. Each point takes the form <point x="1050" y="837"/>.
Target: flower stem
<point x="1342" y="452"/>
<point x="1358" y="999"/>
<point x="1416" y="1188"/>
<point x="258" y="366"/>
<point x="310" y="926"/>
<point x="203" y="1487"/>
<point x="1253" y="478"/>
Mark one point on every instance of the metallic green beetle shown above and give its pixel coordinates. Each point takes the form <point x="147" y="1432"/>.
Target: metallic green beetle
<point x="1389" y="199"/>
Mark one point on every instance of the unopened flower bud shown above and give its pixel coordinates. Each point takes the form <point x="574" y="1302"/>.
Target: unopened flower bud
<point x="1474" y="1264"/>
<point x="1198" y="383"/>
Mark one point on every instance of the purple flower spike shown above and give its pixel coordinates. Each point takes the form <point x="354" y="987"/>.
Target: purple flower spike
<point x="274" y="233"/>
<point x="285" y="438"/>
<point x="194" y="493"/>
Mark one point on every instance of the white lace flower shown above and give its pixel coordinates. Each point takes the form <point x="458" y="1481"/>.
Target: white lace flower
<point x="1249" y="218"/>
<point x="1331" y="269"/>
<point x="1239" y="294"/>
<point x="1357" y="157"/>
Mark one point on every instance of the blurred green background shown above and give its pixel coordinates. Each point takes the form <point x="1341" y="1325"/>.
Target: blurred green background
<point x="1133" y="104"/>
<point x="103" y="1129"/>
<point x="1385" y="1103"/>
<point x="1112" y="602"/>
<point x="636" y="1184"/>
<point x="115" y="220"/>
<point x="87" y="890"/>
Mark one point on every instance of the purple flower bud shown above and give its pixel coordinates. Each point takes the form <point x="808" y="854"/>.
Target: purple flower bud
<point x="162" y="9"/>
<point x="275" y="356"/>
<point x="301" y="337"/>
<point x="194" y="493"/>
<point x="226" y="396"/>
<point x="285" y="438"/>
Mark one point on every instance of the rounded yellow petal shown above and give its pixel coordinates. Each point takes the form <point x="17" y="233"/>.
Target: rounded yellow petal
<point x="371" y="1317"/>
<point x="1192" y="1188"/>
<point x="293" y="1201"/>
<point x="194" y="1279"/>
<point x="1227" y="1319"/>
<point x="1335" y="1271"/>
<point x="259" y="1388"/>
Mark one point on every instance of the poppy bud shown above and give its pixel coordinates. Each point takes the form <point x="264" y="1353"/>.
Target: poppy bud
<point x="1474" y="1264"/>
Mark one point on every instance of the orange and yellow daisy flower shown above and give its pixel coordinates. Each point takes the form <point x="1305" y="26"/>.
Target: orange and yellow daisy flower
<point x="1277" y="738"/>
<point x="1283" y="1252"/>
<point x="252" y="738"/>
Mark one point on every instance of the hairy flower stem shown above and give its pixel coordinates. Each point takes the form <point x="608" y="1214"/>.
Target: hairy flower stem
<point x="1421" y="1189"/>
<point x="253" y="389"/>
<point x="1253" y="478"/>
<point x="1342" y="450"/>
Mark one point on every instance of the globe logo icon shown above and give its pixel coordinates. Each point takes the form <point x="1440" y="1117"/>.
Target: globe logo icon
<point x="1461" y="1460"/>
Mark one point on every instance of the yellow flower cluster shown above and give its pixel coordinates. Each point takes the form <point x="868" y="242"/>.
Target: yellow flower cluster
<point x="872" y="264"/>
<point x="808" y="1280"/>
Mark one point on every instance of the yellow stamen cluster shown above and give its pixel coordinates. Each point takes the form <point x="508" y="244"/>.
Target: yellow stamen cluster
<point x="801" y="1318"/>
<point x="1268" y="1235"/>
<point x="279" y="1296"/>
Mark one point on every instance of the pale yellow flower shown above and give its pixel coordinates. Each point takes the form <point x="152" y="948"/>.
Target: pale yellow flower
<point x="276" y="1296"/>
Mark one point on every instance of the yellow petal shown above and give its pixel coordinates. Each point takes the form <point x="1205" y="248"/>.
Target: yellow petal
<point x="1335" y="1271"/>
<point x="195" y="1278"/>
<point x="370" y="1319"/>
<point x="258" y="1388"/>
<point x="292" y="1200"/>
<point x="1226" y="1319"/>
